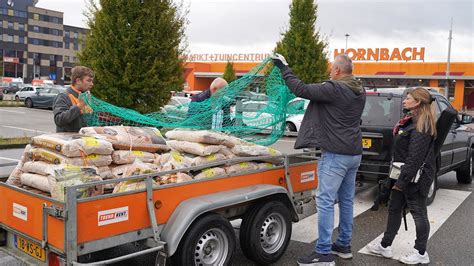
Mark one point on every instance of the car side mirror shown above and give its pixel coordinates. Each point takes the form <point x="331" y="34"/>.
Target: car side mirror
<point x="466" y="119"/>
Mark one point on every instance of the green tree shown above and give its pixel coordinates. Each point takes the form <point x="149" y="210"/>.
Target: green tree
<point x="302" y="45"/>
<point x="229" y="72"/>
<point x="135" y="48"/>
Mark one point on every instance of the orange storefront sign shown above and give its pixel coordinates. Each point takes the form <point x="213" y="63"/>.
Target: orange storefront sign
<point x="383" y="54"/>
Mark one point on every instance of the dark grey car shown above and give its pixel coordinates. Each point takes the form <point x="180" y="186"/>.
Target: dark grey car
<point x="44" y="98"/>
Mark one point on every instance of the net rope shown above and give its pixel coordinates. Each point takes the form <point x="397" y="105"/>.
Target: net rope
<point x="236" y="109"/>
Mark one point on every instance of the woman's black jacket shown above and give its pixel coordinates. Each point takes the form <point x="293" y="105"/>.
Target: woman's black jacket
<point x="412" y="148"/>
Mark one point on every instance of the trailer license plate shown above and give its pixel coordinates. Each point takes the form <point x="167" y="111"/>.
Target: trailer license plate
<point x="30" y="248"/>
<point x="366" y="143"/>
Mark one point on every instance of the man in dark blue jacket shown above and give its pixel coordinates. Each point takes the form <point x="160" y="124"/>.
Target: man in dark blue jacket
<point x="209" y="119"/>
<point x="332" y="124"/>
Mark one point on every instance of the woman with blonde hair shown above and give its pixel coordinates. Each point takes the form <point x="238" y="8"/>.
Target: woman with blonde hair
<point x="413" y="148"/>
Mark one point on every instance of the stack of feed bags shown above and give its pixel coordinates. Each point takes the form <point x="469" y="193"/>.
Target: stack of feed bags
<point x="207" y="146"/>
<point x="131" y="144"/>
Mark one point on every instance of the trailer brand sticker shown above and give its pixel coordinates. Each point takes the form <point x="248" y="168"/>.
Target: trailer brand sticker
<point x="20" y="212"/>
<point x="112" y="216"/>
<point x="307" y="177"/>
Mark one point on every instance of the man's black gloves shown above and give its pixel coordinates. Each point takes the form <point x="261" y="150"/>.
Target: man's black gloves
<point x="279" y="60"/>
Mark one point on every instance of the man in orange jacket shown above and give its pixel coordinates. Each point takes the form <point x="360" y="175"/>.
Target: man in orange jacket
<point x="68" y="108"/>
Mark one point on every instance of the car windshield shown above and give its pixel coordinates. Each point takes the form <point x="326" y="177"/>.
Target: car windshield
<point x="381" y="110"/>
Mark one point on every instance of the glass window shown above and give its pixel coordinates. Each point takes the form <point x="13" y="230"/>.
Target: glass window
<point x="66" y="45"/>
<point x="10" y="38"/>
<point x="76" y="46"/>
<point x="75" y="35"/>
<point x="36" y="16"/>
<point x="10" y="25"/>
<point x="1" y="38"/>
<point x="35" y="41"/>
<point x="66" y="58"/>
<point x="21" y="26"/>
<point x="54" y="20"/>
<point x="21" y="39"/>
<point x="66" y="34"/>
<point x="52" y="57"/>
<point x="36" y="29"/>
<point x="381" y="110"/>
<point x="55" y="32"/>
<point x="73" y="59"/>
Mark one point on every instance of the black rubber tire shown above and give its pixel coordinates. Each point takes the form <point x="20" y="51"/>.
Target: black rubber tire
<point x="431" y="196"/>
<point x="464" y="173"/>
<point x="251" y="228"/>
<point x="5" y="91"/>
<point x="291" y="126"/>
<point x="29" y="103"/>
<point x="17" y="98"/>
<point x="189" y="244"/>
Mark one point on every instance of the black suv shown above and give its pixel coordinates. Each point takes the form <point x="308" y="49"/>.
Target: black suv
<point x="382" y="111"/>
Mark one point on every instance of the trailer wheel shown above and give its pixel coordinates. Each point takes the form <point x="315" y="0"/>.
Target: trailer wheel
<point x="209" y="241"/>
<point x="265" y="232"/>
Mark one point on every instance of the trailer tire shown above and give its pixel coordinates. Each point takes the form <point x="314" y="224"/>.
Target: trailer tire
<point x="209" y="241"/>
<point x="265" y="232"/>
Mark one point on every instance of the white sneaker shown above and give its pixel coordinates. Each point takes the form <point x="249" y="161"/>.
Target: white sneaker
<point x="414" y="257"/>
<point x="376" y="248"/>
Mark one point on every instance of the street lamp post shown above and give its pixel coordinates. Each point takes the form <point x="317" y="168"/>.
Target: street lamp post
<point x="347" y="36"/>
<point x="449" y="60"/>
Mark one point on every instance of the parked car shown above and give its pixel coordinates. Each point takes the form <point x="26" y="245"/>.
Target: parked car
<point x="12" y="87"/>
<point x="43" y="98"/>
<point x="296" y="109"/>
<point x="27" y="90"/>
<point x="260" y="113"/>
<point x="382" y="111"/>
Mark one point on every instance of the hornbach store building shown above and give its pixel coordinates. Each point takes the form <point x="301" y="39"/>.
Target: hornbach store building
<point x="375" y="67"/>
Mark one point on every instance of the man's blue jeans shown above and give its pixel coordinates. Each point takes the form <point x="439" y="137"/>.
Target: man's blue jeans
<point x="336" y="180"/>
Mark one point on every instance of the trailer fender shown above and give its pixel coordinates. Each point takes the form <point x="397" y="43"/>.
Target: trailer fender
<point x="189" y="210"/>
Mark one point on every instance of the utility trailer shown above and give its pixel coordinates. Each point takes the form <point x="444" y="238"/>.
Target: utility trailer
<point x="185" y="223"/>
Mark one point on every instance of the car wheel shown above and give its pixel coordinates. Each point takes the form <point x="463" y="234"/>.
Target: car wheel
<point x="265" y="232"/>
<point x="464" y="173"/>
<point x="29" y="103"/>
<point x="290" y="127"/>
<point x="17" y="98"/>
<point x="5" y="91"/>
<point x="432" y="191"/>
<point x="209" y="241"/>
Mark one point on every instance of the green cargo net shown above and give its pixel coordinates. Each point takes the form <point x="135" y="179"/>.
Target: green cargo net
<point x="242" y="111"/>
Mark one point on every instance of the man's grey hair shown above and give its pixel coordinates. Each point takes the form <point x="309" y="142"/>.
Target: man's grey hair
<point x="344" y="62"/>
<point x="218" y="83"/>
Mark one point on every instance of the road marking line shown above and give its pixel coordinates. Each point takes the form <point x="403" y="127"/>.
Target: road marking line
<point x="27" y="129"/>
<point x="9" y="159"/>
<point x="9" y="111"/>
<point x="306" y="230"/>
<point x="36" y="109"/>
<point x="445" y="204"/>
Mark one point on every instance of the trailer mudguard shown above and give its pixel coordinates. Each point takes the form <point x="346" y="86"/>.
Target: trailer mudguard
<point x="189" y="210"/>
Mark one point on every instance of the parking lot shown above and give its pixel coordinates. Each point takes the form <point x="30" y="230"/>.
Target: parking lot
<point x="450" y="215"/>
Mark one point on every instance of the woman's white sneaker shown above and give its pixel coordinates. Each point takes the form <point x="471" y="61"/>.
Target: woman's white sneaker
<point x="415" y="257"/>
<point x="376" y="248"/>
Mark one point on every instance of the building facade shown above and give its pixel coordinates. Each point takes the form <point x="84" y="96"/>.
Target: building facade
<point x="35" y="44"/>
<point x="199" y="75"/>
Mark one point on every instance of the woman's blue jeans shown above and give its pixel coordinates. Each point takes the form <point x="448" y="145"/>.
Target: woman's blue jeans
<point x="336" y="180"/>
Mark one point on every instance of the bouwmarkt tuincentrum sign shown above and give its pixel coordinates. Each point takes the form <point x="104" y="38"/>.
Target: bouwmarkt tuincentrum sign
<point x="384" y="54"/>
<point x="257" y="57"/>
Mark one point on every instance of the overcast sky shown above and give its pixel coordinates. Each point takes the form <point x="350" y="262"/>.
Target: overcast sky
<point x="254" y="26"/>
